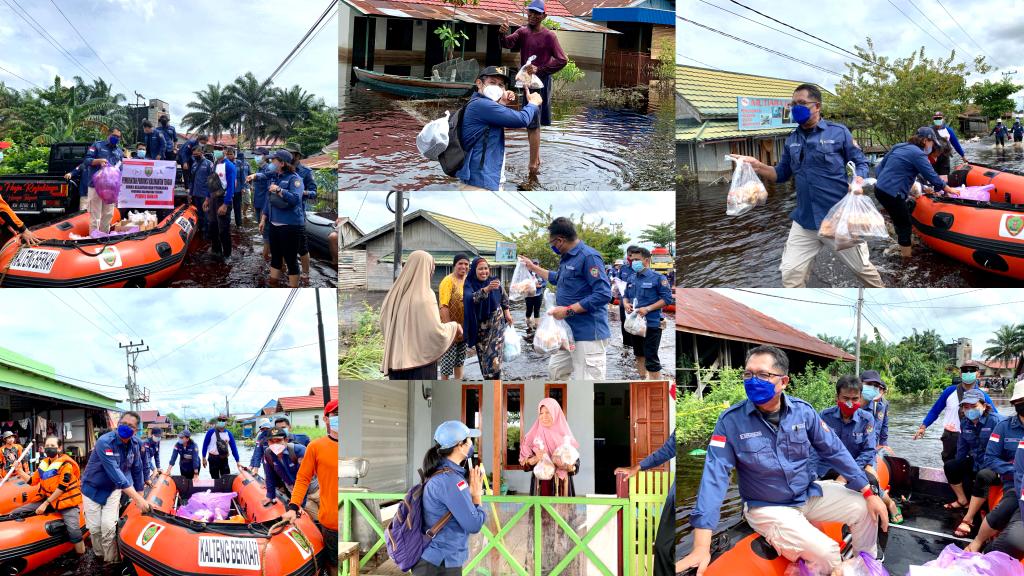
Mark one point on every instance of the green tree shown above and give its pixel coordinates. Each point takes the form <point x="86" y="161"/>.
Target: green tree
<point x="211" y="111"/>
<point x="892" y="97"/>
<point x="661" y="235"/>
<point x="994" y="98"/>
<point x="1007" y="344"/>
<point x="251" y="103"/>
<point x="839" y="342"/>
<point x="317" y="131"/>
<point x="291" y="108"/>
<point x="533" y="240"/>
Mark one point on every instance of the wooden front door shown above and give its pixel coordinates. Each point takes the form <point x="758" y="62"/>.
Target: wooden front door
<point x="649" y="419"/>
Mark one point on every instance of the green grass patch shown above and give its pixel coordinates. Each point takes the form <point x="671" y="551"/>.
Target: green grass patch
<point x="363" y="349"/>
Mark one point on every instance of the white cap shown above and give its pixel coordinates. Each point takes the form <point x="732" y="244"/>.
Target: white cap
<point x="1018" y="391"/>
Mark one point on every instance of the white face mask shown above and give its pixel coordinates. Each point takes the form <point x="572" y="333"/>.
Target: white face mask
<point x="494" y="92"/>
<point x="277" y="448"/>
<point x="928" y="149"/>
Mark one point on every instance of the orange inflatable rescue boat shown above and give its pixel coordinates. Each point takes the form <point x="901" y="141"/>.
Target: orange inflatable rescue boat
<point x="138" y="259"/>
<point x="160" y="543"/>
<point x="28" y="540"/>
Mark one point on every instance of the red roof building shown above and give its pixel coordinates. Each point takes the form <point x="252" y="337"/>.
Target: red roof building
<point x="305" y="410"/>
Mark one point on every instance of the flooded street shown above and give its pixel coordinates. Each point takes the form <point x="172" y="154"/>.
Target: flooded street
<point x="904" y="418"/>
<point x="719" y="250"/>
<point x="587" y="147"/>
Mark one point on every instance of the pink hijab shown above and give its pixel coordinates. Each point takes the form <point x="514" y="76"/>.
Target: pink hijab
<point x="553" y="436"/>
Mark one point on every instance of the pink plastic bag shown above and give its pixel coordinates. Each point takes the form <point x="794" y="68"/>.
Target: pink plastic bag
<point x="207" y="506"/>
<point x="976" y="564"/>
<point x="979" y="193"/>
<point x="107" y="182"/>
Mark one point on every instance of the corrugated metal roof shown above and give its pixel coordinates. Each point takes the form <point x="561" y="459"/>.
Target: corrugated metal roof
<point x="487" y="12"/>
<point x="445" y="257"/>
<point x="721" y="130"/>
<point x="476" y="235"/>
<point x="583" y="7"/>
<point x="704" y="311"/>
<point x="27" y="375"/>
<point x="635" y="14"/>
<point x="713" y="92"/>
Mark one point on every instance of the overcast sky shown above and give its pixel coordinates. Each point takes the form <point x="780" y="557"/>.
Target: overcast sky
<point x="995" y="24"/>
<point x="231" y="325"/>
<point x="634" y="210"/>
<point x="168" y="50"/>
<point x="953" y="313"/>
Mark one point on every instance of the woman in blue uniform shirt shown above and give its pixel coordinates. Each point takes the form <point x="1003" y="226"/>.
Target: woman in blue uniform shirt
<point x="284" y="214"/>
<point x="450" y="489"/>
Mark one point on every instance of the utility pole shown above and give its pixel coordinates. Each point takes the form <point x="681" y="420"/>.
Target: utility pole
<point x="227" y="410"/>
<point x="136" y="396"/>
<point x="860" y="309"/>
<point x="323" y="349"/>
<point x="399" y="211"/>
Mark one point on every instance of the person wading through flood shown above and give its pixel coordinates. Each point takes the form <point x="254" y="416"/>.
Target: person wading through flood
<point x="187" y="450"/>
<point x="215" y="453"/>
<point x="537" y="41"/>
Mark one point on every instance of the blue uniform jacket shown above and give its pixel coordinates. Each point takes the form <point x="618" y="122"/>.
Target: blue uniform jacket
<point x="940" y="404"/>
<point x="200" y="171"/>
<point x="450" y="493"/>
<point x="189" y="456"/>
<point x="772" y="466"/>
<point x="261" y="445"/>
<point x="185" y="152"/>
<point x="231" y="176"/>
<point x="170" y="139"/>
<point x="308" y="183"/>
<point x="1018" y="130"/>
<point x="880" y="409"/>
<point x="242" y="170"/>
<point x="281" y="470"/>
<point x="999" y="131"/>
<point x="1001" y="448"/>
<point x="974" y="437"/>
<point x="581" y="278"/>
<point x="156" y="145"/>
<point x="818" y="157"/>
<point x="900" y="166"/>
<point x="1018" y="475"/>
<point x="485" y="156"/>
<point x="857" y="435"/>
<point x="294" y="214"/>
<point x="231" y="443"/>
<point x="150" y="451"/>
<point x="113" y="465"/>
<point x="647" y="287"/>
<point x="99" y="149"/>
<point x="265" y="176"/>
<point x="666" y="453"/>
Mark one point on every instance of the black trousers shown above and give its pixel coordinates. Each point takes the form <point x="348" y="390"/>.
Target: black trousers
<point x="201" y="220"/>
<point x="1011" y="540"/>
<point x="1000" y="515"/>
<point x="428" y="372"/>
<point x="284" y="247"/>
<point x="959" y="470"/>
<point x="949" y="441"/>
<point x="236" y="204"/>
<point x="627" y="338"/>
<point x="897" y="208"/>
<point x="220" y="228"/>
<point x="424" y="568"/>
<point x="218" y="466"/>
<point x="648" y="346"/>
<point x="533" y="305"/>
<point x="330" y="546"/>
<point x="665" y="539"/>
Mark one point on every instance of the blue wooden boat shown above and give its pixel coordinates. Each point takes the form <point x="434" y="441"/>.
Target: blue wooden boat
<point x="413" y="87"/>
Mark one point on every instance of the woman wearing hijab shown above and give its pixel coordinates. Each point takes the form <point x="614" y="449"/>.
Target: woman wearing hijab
<point x="450" y="299"/>
<point x="487" y="312"/>
<point x="545" y="438"/>
<point x="414" y="336"/>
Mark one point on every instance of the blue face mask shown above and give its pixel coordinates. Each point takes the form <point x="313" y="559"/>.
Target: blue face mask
<point x="114" y="140"/>
<point x="637" y="265"/>
<point x="472" y="451"/>
<point x="869" y="393"/>
<point x="969" y="377"/>
<point x="759" y="391"/>
<point x="973" y="414"/>
<point x="555" y="250"/>
<point x="125" y="431"/>
<point x="221" y="425"/>
<point x="333" y="422"/>
<point x="259" y="158"/>
<point x="800" y="113"/>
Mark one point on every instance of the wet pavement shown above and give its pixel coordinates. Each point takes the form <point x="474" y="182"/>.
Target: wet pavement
<point x="719" y="250"/>
<point x="587" y="147"/>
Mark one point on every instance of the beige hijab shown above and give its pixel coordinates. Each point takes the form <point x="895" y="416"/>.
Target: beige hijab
<point x="413" y="333"/>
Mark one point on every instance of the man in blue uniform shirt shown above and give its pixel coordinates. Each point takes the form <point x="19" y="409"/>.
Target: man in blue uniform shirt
<point x="170" y="135"/>
<point x="768" y="439"/>
<point x="816" y="153"/>
<point x="873" y="389"/>
<point x="101" y="153"/>
<point x="151" y="453"/>
<point x="583" y="293"/>
<point x="308" y="195"/>
<point x="156" y="142"/>
<point x="651" y="292"/>
<point x="623" y="272"/>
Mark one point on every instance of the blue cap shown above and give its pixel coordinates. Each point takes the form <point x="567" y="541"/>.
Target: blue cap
<point x="872" y="377"/>
<point x="926" y="132"/>
<point x="282" y="155"/>
<point x="972" y="396"/>
<point x="536" y="6"/>
<point x="452" y="432"/>
<point x="186" y="433"/>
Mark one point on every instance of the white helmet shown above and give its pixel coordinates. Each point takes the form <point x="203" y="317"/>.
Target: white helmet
<point x="264" y="423"/>
<point x="1018" y="392"/>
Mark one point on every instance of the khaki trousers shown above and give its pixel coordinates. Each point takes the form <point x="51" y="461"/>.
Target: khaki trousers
<point x="803" y="245"/>
<point x="587" y="362"/>
<point x="101" y="518"/>
<point x="100" y="213"/>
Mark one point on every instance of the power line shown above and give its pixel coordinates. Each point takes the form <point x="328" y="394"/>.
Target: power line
<point x="89" y="46"/>
<point x="361" y="205"/>
<point x="38" y="28"/>
<point x="284" y="62"/>
<point x="927" y="19"/>
<point x="914" y="22"/>
<point x="315" y="34"/>
<point x="793" y="299"/>
<point x="468" y="205"/>
<point x="20" y="78"/>
<point x="844" y="52"/>
<point x="517" y="211"/>
<point x="766" y="49"/>
<point x="63" y="376"/>
<point x="763" y="15"/>
<point x="73" y="309"/>
<point x="704" y="64"/>
<point x="962" y="28"/>
<point x="273" y="329"/>
<point x="930" y="299"/>
<point x="524" y="197"/>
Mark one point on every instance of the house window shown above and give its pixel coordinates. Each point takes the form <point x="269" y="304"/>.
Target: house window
<point x="472" y="400"/>
<point x="316" y="420"/>
<point x="513" y="404"/>
<point x="557" y="392"/>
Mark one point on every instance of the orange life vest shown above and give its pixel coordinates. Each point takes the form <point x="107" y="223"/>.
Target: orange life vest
<point x="10" y="453"/>
<point x="49" y="477"/>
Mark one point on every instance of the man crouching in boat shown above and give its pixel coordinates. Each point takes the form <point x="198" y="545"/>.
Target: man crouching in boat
<point x="768" y="439"/>
<point x="58" y="478"/>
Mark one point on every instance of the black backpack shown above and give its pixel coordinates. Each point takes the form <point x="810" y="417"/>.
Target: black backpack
<point x="454" y="155"/>
<point x="213" y="183"/>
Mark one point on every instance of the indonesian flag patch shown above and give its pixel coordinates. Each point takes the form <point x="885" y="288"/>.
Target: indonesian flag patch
<point x="1020" y="445"/>
<point x="718" y="441"/>
<point x="993" y="438"/>
<point x="108" y="452"/>
<point x="462" y="485"/>
<point x="825" y="426"/>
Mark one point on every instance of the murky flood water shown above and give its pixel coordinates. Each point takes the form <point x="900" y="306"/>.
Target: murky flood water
<point x="587" y="147"/>
<point x="719" y="250"/>
<point x="904" y="418"/>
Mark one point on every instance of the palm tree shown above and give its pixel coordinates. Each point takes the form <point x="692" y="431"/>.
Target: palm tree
<point x="839" y="342"/>
<point x="292" y="107"/>
<point x="212" y="111"/>
<point x="1007" y="344"/>
<point x="660" y="235"/>
<point x="252" y="104"/>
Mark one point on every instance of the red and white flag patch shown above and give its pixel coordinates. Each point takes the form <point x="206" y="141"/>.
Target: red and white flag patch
<point x="993" y="438"/>
<point x="462" y="485"/>
<point x="108" y="452"/>
<point x="718" y="441"/>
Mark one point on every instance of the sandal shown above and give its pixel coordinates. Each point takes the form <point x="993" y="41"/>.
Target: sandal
<point x="955" y="505"/>
<point x="897" y="517"/>
<point x="963" y="533"/>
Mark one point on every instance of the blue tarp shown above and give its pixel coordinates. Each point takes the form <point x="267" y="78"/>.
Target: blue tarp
<point x="634" y="14"/>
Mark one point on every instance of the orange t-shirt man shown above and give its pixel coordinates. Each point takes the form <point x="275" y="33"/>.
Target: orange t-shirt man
<point x="321" y="459"/>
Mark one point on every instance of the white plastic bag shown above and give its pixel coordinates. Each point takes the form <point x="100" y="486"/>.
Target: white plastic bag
<point x="854" y="219"/>
<point x="523" y="77"/>
<point x="552" y="334"/>
<point x="619" y="287"/>
<point x="523" y="285"/>
<point x="567" y="453"/>
<point x="545" y="468"/>
<point x="635" y="324"/>
<point x="513" y="346"/>
<point x="745" y="190"/>
<point x="433" y="138"/>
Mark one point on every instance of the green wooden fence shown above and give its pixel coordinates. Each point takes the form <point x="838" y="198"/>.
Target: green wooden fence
<point x="640" y="513"/>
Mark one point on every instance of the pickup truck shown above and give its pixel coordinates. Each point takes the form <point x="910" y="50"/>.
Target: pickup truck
<point x="47" y="192"/>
